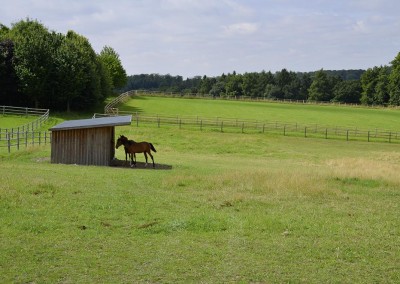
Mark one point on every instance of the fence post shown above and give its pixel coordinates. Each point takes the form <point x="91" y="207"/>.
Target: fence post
<point x="390" y="137"/>
<point x="8" y="142"/>
<point x="18" y="140"/>
<point x="347" y="135"/>
<point x="180" y="123"/>
<point x="305" y="132"/>
<point x="263" y="128"/>
<point x="326" y="133"/>
<point x="33" y="138"/>
<point x="222" y="126"/>
<point x="26" y="139"/>
<point x="201" y="125"/>
<point x="137" y="119"/>
<point x="284" y="130"/>
<point x="40" y="137"/>
<point x="242" y="127"/>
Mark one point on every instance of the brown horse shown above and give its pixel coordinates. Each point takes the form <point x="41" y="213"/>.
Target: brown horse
<point x="133" y="147"/>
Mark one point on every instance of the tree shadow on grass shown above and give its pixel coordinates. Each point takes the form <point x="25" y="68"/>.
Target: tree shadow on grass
<point x="131" y="109"/>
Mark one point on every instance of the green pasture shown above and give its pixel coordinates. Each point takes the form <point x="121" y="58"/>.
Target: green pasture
<point x="14" y="121"/>
<point x="324" y="115"/>
<point x="218" y="208"/>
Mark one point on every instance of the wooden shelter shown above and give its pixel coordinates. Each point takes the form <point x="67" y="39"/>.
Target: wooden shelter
<point x="86" y="141"/>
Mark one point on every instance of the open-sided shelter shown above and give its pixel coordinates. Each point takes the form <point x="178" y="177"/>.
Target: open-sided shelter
<point x="86" y="141"/>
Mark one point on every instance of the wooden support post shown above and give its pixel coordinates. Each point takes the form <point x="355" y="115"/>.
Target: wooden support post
<point x="8" y="142"/>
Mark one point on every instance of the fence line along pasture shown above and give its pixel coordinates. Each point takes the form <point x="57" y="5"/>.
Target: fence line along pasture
<point x="243" y="125"/>
<point x="25" y="139"/>
<point x="24" y="134"/>
<point x="258" y="126"/>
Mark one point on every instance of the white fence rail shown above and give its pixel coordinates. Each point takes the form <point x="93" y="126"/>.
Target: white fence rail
<point x="26" y="134"/>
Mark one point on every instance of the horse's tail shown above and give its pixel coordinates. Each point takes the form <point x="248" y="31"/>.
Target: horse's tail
<point x="152" y="147"/>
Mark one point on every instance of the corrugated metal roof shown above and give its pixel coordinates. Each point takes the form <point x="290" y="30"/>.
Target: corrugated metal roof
<point x="93" y="123"/>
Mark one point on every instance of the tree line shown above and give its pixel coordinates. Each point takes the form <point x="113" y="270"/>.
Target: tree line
<point x="45" y="69"/>
<point x="375" y="86"/>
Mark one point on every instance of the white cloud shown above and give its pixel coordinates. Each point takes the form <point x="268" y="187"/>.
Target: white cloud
<point x="240" y="29"/>
<point x="360" y="26"/>
<point x="208" y="37"/>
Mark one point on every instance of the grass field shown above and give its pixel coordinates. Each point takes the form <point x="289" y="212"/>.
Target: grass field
<point x="326" y="115"/>
<point x="218" y="208"/>
<point x="13" y="121"/>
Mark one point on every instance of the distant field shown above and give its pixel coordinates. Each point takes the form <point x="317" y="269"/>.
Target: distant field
<point x="362" y="118"/>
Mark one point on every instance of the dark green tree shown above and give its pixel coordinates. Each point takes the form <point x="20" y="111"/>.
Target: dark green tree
<point x="110" y="59"/>
<point x="34" y="49"/>
<point x="321" y="88"/>
<point x="206" y="85"/>
<point x="394" y="81"/>
<point x="369" y="81"/>
<point x="305" y="83"/>
<point x="347" y="92"/>
<point x="382" y="95"/>
<point x="233" y="85"/>
<point x="250" y="85"/>
<point x="8" y="78"/>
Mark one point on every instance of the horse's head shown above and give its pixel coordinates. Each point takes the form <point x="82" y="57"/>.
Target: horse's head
<point x="123" y="138"/>
<point x="119" y="143"/>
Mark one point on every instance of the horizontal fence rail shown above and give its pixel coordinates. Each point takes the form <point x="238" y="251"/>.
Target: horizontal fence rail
<point x="26" y="134"/>
<point x="254" y="126"/>
<point x="17" y="140"/>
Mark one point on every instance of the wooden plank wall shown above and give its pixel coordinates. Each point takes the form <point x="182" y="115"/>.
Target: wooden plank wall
<point x="89" y="146"/>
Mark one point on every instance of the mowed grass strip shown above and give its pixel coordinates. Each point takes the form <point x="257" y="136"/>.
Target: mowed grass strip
<point x="325" y="115"/>
<point x="228" y="208"/>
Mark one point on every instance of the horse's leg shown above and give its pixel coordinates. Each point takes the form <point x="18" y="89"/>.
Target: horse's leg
<point x="145" y="155"/>
<point x="133" y="163"/>
<point x="151" y="156"/>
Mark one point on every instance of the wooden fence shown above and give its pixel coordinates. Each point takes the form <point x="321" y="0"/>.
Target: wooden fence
<point x="25" y="139"/>
<point x="243" y="125"/>
<point x="26" y="134"/>
<point x="111" y="108"/>
<point x="254" y="126"/>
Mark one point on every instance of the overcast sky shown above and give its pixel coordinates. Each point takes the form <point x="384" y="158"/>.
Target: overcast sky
<point x="211" y="37"/>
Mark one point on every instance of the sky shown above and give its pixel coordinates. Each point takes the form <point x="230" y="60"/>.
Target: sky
<point x="210" y="37"/>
